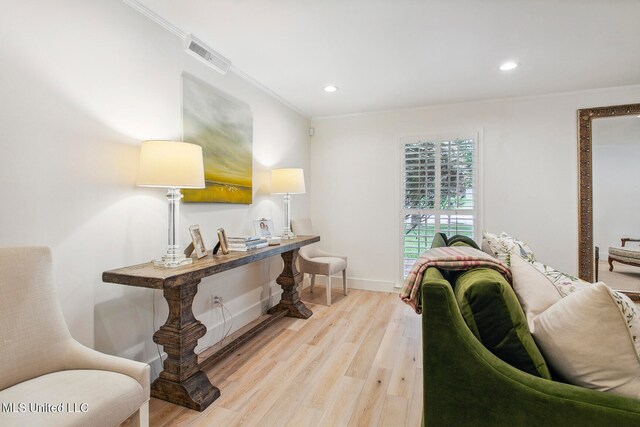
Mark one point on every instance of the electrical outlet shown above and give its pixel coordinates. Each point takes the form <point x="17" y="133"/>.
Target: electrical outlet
<point x="216" y="300"/>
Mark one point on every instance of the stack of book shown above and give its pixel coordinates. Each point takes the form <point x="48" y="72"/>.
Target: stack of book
<point x="244" y="244"/>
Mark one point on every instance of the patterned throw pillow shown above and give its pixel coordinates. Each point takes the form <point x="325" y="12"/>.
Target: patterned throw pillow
<point x="504" y="245"/>
<point x="564" y="283"/>
<point x="631" y="316"/>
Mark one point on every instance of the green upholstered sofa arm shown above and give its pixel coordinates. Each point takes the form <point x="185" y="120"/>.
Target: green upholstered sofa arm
<point x="466" y="385"/>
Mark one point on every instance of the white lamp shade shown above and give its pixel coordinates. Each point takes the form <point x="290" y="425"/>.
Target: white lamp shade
<point x="170" y="164"/>
<point x="290" y="180"/>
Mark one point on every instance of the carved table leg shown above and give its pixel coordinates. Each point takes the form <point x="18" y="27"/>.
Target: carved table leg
<point x="182" y="381"/>
<point x="289" y="280"/>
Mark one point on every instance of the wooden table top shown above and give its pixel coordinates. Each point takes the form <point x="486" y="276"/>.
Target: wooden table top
<point x="149" y="276"/>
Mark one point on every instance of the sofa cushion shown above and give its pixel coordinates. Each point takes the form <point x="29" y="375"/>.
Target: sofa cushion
<point x="492" y="312"/>
<point x="460" y="240"/>
<point x="592" y="339"/>
<point x="110" y="398"/>
<point x="439" y="240"/>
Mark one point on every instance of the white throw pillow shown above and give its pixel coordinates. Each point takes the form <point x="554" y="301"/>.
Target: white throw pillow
<point x="534" y="290"/>
<point x="539" y="286"/>
<point x="504" y="245"/>
<point x="591" y="338"/>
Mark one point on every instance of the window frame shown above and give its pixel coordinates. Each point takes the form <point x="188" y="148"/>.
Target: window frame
<point x="476" y="136"/>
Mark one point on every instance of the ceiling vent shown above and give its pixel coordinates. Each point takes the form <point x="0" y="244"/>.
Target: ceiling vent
<point x="207" y="55"/>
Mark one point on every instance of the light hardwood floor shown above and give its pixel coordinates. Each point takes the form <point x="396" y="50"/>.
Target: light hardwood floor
<point x="622" y="277"/>
<point x="356" y="363"/>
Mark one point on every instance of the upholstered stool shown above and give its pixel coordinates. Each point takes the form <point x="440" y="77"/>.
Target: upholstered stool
<point x="624" y="255"/>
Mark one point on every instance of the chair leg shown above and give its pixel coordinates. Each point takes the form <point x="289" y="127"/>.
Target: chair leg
<point x="141" y="417"/>
<point x="344" y="281"/>
<point x="313" y="282"/>
<point x="329" y="290"/>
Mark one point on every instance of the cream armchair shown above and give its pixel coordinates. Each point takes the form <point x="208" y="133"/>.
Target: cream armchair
<point x="313" y="260"/>
<point x="46" y="377"/>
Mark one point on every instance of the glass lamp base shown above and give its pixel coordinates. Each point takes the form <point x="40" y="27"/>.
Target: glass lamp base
<point x="172" y="260"/>
<point x="287" y="234"/>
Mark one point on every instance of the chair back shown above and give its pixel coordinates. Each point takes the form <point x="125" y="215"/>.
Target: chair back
<point x="302" y="226"/>
<point x="33" y="334"/>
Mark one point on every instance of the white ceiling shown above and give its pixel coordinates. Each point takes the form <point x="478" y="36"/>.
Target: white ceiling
<point x="391" y="54"/>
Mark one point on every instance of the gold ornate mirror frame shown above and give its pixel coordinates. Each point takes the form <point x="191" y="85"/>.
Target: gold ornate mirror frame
<point x="586" y="261"/>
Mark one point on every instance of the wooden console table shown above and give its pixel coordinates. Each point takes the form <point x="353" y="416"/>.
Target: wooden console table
<point x="182" y="381"/>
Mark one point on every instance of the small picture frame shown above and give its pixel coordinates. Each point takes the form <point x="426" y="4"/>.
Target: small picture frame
<point x="263" y="227"/>
<point x="222" y="238"/>
<point x="198" y="242"/>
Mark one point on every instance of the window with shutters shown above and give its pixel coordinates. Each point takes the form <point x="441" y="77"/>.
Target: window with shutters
<point x="440" y="192"/>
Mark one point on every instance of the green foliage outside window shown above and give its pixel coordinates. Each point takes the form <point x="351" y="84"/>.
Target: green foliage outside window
<point x="454" y="191"/>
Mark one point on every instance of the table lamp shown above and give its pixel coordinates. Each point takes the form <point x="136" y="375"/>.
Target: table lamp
<point x="171" y="165"/>
<point x="287" y="181"/>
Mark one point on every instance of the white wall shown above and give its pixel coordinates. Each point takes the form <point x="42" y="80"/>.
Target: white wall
<point x="616" y="194"/>
<point x="83" y="83"/>
<point x="529" y="147"/>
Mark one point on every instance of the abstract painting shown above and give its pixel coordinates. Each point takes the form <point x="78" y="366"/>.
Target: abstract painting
<point x="223" y="127"/>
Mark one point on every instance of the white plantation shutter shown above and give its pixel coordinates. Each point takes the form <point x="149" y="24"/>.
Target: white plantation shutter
<point x="439" y="190"/>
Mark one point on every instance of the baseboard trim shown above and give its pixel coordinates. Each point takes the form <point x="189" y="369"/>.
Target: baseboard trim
<point x="354" y="283"/>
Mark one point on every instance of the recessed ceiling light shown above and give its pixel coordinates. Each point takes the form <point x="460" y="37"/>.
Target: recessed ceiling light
<point x="509" y="65"/>
<point x="331" y="88"/>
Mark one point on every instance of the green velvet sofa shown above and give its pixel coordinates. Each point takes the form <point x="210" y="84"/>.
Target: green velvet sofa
<point x="466" y="385"/>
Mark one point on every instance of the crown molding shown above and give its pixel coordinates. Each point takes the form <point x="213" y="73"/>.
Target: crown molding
<point x="155" y="18"/>
<point x="266" y="89"/>
<point x="139" y="7"/>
